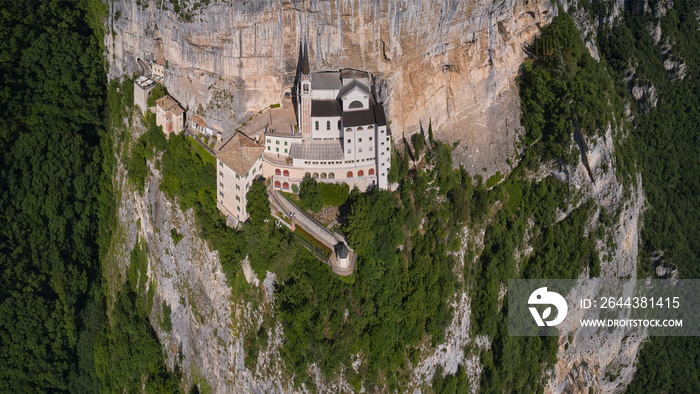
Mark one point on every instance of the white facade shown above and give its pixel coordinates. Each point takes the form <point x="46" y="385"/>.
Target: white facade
<point x="232" y="188"/>
<point x="142" y="87"/>
<point x="342" y="133"/>
<point x="238" y="163"/>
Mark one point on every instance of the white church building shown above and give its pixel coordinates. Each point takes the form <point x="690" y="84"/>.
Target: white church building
<point x="341" y="133"/>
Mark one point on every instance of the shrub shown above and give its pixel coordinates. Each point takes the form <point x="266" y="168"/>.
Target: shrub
<point x="157" y="92"/>
<point x="310" y="194"/>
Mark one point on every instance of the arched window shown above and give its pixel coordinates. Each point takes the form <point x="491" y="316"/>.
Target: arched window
<point x="277" y="184"/>
<point x="323" y="175"/>
<point x="307" y="174"/>
<point x="317" y="125"/>
<point x="278" y="172"/>
<point x="315" y="175"/>
<point x="286" y="173"/>
<point x="285" y="185"/>
<point x="339" y="128"/>
<point x="371" y="171"/>
<point x="348" y="129"/>
<point x="331" y="175"/>
<point x="328" y="125"/>
<point x="349" y="174"/>
<point x="370" y="127"/>
<point x="360" y="129"/>
<point x="360" y="173"/>
<point x="355" y="104"/>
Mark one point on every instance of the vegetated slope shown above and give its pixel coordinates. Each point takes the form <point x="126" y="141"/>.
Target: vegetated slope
<point x="561" y="214"/>
<point x="656" y="57"/>
<point x="376" y="328"/>
<point x="384" y="312"/>
<point x="51" y="127"/>
<point x="57" y="209"/>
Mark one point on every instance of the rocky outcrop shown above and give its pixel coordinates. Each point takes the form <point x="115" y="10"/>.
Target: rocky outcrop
<point x="454" y="63"/>
<point x="606" y="362"/>
<point x="208" y="323"/>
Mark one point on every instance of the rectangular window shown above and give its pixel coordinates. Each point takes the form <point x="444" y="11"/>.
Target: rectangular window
<point x="268" y="148"/>
<point x="349" y="141"/>
<point x="238" y="176"/>
<point x="269" y="140"/>
<point x="221" y="164"/>
<point x="238" y="208"/>
<point x="349" y="150"/>
<point x="387" y="139"/>
<point x="277" y="142"/>
<point x="370" y="138"/>
<point x="221" y="184"/>
<point x="260" y="168"/>
<point x="387" y="149"/>
<point x="359" y="140"/>
<point x="360" y="150"/>
<point x="277" y="149"/>
<point x="370" y="148"/>
<point x="238" y="187"/>
<point x="238" y="198"/>
<point x="221" y="173"/>
<point x="285" y="143"/>
<point x="221" y="194"/>
<point x="285" y="151"/>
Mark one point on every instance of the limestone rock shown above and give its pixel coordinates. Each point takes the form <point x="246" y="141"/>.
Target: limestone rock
<point x="454" y="63"/>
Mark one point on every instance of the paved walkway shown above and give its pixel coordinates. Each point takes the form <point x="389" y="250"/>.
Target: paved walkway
<point x="302" y="219"/>
<point x="322" y="234"/>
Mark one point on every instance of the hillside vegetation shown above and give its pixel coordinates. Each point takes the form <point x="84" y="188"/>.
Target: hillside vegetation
<point x="57" y="206"/>
<point x="664" y="144"/>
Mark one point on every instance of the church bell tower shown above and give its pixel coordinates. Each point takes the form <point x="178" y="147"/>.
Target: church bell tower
<point x="305" y="95"/>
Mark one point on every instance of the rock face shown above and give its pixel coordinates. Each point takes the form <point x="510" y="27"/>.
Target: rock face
<point x="604" y="363"/>
<point x="207" y="321"/>
<point x="452" y="62"/>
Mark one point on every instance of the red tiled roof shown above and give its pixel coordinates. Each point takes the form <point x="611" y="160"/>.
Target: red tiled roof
<point x="240" y="153"/>
<point x="199" y="121"/>
<point x="169" y="104"/>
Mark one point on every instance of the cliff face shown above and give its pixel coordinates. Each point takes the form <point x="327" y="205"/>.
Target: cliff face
<point x="452" y="62"/>
<point x="604" y="363"/>
<point x="447" y="61"/>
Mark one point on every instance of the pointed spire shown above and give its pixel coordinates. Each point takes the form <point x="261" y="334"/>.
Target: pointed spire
<point x="305" y="58"/>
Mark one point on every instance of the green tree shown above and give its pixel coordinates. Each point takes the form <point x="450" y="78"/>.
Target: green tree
<point x="258" y="205"/>
<point x="310" y="194"/>
<point x="157" y="92"/>
<point x="418" y="143"/>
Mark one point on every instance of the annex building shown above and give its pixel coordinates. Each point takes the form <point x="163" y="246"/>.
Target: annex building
<point x="170" y="115"/>
<point x="340" y="133"/>
<point x="238" y="163"/>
